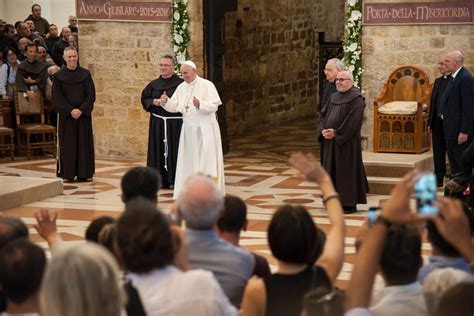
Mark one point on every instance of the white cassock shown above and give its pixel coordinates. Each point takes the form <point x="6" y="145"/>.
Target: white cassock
<point x="200" y="145"/>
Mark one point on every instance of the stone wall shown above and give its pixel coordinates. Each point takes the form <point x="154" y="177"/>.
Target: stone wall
<point x="123" y="58"/>
<point x="271" y="59"/>
<point x="385" y="48"/>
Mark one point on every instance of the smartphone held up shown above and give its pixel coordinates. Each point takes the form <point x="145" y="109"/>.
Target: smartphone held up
<point x="425" y="194"/>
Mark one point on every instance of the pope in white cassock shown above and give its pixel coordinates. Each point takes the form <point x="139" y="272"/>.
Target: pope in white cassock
<point x="200" y="146"/>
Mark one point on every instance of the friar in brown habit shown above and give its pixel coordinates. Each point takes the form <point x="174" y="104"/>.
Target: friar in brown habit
<point x="73" y="99"/>
<point x="339" y="129"/>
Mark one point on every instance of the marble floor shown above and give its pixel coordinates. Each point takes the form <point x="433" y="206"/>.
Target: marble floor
<point x="256" y="169"/>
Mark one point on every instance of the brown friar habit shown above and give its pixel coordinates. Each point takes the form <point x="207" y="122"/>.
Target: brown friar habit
<point x="36" y="70"/>
<point x="156" y="135"/>
<point x="342" y="155"/>
<point x="74" y="89"/>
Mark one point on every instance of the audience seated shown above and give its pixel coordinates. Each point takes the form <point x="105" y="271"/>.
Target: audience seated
<point x="145" y="245"/>
<point x="457" y="300"/>
<point x="44" y="56"/>
<point x="22" y="43"/>
<point x="107" y="236"/>
<point x="140" y="181"/>
<point x="438" y="282"/>
<point x="8" y="73"/>
<point x="73" y="40"/>
<point x="10" y="31"/>
<point x="200" y="203"/>
<point x="5" y="40"/>
<point x="31" y="25"/>
<point x="22" y="265"/>
<point x="83" y="280"/>
<point x="73" y="24"/>
<point x="452" y="224"/>
<point x="232" y="221"/>
<point x="136" y="182"/>
<point x="32" y="74"/>
<point x="58" y="48"/>
<point x="294" y="242"/>
<point x="25" y="32"/>
<point x="399" y="264"/>
<point x="41" y="25"/>
<point x="52" y="37"/>
<point x="323" y="301"/>
<point x="94" y="228"/>
<point x="444" y="255"/>
<point x="11" y="228"/>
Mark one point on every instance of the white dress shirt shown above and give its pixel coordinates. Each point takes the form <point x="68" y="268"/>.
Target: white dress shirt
<point x="170" y="291"/>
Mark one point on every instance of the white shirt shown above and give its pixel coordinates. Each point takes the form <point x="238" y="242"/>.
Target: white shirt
<point x="358" y="311"/>
<point x="400" y="300"/>
<point x="456" y="73"/>
<point x="169" y="291"/>
<point x="3" y="79"/>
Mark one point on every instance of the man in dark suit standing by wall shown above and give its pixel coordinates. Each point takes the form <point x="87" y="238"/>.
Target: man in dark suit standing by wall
<point x="436" y="123"/>
<point x="457" y="112"/>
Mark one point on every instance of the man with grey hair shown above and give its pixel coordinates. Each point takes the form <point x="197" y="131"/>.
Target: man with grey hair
<point x="12" y="228"/>
<point x="339" y="129"/>
<point x="73" y="24"/>
<point x="200" y="203"/>
<point x="457" y="112"/>
<point x="333" y="67"/>
<point x="25" y="32"/>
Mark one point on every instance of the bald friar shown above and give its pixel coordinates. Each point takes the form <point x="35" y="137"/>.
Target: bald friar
<point x="200" y="145"/>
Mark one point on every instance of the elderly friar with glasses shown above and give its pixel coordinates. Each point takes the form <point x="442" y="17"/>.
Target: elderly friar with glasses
<point x="339" y="131"/>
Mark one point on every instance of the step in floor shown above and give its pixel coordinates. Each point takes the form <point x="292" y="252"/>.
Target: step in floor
<point x="17" y="191"/>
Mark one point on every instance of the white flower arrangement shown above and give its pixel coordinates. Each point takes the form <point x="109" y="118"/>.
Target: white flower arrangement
<point x="352" y="40"/>
<point x="179" y="32"/>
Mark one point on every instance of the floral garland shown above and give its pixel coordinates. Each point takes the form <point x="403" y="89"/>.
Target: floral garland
<point x="179" y="32"/>
<point x="352" y="40"/>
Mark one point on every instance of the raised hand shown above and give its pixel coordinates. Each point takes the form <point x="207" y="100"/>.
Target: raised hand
<point x="46" y="224"/>
<point x="308" y="166"/>
<point x="164" y="98"/>
<point x="397" y="210"/>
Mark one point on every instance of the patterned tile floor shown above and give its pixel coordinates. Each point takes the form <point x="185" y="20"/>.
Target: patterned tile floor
<point x="256" y="169"/>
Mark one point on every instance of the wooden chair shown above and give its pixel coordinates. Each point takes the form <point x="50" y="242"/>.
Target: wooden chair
<point x="35" y="135"/>
<point x="6" y="133"/>
<point x="404" y="131"/>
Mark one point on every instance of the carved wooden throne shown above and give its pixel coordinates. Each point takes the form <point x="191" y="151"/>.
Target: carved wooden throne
<point x="401" y="112"/>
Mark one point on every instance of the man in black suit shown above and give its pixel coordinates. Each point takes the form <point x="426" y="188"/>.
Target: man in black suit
<point x="457" y="112"/>
<point x="333" y="67"/>
<point x="436" y="123"/>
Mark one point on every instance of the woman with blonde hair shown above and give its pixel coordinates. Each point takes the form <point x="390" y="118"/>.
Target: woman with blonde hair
<point x="82" y="281"/>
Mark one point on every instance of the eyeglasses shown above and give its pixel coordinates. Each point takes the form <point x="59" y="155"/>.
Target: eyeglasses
<point x="340" y="79"/>
<point x="165" y="65"/>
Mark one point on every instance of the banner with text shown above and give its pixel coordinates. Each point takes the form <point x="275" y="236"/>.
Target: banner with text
<point x="124" y="10"/>
<point x="418" y="13"/>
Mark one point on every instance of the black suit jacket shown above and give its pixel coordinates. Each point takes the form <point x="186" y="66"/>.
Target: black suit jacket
<point x="458" y="106"/>
<point x="436" y="95"/>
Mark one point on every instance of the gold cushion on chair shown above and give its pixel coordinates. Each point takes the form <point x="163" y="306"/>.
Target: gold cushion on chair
<point x="399" y="108"/>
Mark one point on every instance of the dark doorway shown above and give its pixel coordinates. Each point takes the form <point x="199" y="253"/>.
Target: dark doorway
<point x="214" y="15"/>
